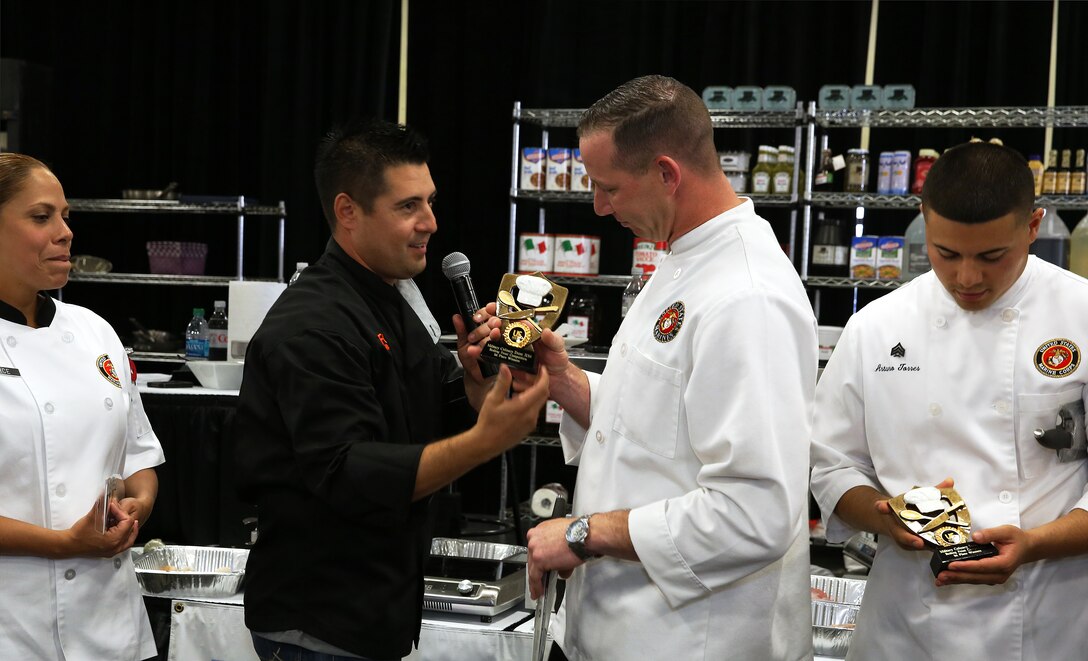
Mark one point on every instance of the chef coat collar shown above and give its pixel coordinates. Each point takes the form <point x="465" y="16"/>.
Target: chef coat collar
<point x="47" y="309"/>
<point x="698" y="235"/>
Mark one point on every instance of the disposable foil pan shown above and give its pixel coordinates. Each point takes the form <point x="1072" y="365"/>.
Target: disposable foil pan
<point x="837" y="616"/>
<point x="838" y="590"/>
<point x="830" y="642"/>
<point x="467" y="548"/>
<point x="192" y="571"/>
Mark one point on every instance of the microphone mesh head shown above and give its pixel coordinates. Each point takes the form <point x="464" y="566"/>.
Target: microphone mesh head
<point x="455" y="265"/>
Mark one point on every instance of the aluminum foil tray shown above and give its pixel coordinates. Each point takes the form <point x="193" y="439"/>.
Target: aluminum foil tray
<point x="467" y="548"/>
<point x="836" y="616"/>
<point x="830" y="642"/>
<point x="192" y="571"/>
<point x="838" y="590"/>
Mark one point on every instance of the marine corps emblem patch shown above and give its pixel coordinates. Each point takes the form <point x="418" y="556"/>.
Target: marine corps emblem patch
<point x="669" y="323"/>
<point x="1057" y="358"/>
<point x="106" y="369"/>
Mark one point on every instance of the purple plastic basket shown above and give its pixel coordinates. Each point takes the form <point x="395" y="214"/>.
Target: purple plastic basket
<point x="193" y="256"/>
<point x="164" y="257"/>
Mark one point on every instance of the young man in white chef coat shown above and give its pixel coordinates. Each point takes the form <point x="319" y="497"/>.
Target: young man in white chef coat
<point x="691" y="447"/>
<point x="949" y="377"/>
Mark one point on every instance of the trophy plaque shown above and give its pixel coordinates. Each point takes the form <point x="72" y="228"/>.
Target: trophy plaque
<point x="526" y="305"/>
<point x="940" y="517"/>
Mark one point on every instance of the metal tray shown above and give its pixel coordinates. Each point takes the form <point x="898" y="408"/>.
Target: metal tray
<point x="467" y="548"/>
<point x="838" y="590"/>
<point x="831" y="642"/>
<point x="192" y="571"/>
<point x="835" y="616"/>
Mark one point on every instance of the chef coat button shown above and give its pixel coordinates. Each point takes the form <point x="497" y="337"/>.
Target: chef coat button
<point x="70" y="574"/>
<point x="11" y="341"/>
<point x="1005" y="497"/>
<point x="49" y="408"/>
<point x="600" y="436"/>
<point x="1008" y="314"/>
<point x="934" y="410"/>
<point x="676" y="273"/>
<point x="117" y="563"/>
<point x="1002" y="406"/>
<point x="61" y="490"/>
<point x="939" y="322"/>
<point x="1012" y="586"/>
<point x="109" y="404"/>
<point x="623" y="349"/>
<point x="68" y="337"/>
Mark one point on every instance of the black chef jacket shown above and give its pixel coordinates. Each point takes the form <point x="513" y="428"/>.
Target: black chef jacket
<point x="343" y="386"/>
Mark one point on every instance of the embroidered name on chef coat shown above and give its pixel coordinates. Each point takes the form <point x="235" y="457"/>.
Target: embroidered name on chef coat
<point x="106" y="369"/>
<point x="9" y="371"/>
<point x="669" y="323"/>
<point x="1057" y="358"/>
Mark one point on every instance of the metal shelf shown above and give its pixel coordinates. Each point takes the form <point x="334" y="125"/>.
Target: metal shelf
<point x="174" y="206"/>
<point x="543" y="441"/>
<point x="990" y="117"/>
<point x="159" y="279"/>
<point x="158" y="357"/>
<point x="851" y="283"/>
<point x="867" y="200"/>
<point x="587" y="197"/>
<point x="592" y="280"/>
<point x="569" y="118"/>
<point x="877" y="201"/>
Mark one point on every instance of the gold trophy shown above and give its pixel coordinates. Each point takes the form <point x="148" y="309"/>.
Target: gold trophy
<point x="526" y="304"/>
<point x="940" y="517"/>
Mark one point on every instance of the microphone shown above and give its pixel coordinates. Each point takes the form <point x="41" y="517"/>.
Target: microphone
<point x="455" y="267"/>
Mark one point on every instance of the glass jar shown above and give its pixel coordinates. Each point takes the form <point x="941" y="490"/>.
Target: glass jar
<point x="857" y="171"/>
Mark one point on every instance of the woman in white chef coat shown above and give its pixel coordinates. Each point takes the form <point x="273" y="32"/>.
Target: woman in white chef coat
<point x="950" y="376"/>
<point x="70" y="418"/>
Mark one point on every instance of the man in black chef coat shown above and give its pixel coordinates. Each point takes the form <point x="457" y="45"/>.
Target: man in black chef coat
<point x="339" y="411"/>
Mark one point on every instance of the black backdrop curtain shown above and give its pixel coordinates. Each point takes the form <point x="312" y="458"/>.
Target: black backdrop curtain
<point x="231" y="97"/>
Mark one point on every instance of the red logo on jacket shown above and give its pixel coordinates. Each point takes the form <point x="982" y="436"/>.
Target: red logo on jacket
<point x="106" y="369"/>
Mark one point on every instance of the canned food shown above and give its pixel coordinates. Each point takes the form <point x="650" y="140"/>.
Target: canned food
<point x="573" y="254"/>
<point x="536" y="253"/>
<point x="900" y="182"/>
<point x="532" y="169"/>
<point x="884" y="173"/>
<point x="595" y="255"/>
<point x="558" y="169"/>
<point x="648" y="254"/>
<point x="579" y="178"/>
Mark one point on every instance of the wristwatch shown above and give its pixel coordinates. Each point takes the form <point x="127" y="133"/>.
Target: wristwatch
<point x="577" y="534"/>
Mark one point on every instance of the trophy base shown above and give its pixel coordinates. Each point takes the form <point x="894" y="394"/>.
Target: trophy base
<point x="945" y="556"/>
<point x="500" y="353"/>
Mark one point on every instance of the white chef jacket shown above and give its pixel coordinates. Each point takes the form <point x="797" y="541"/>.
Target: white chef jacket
<point x="962" y="402"/>
<point x="704" y="436"/>
<point x="66" y="425"/>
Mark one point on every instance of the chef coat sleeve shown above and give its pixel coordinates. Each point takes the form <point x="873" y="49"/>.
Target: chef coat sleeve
<point x="841" y="459"/>
<point x="748" y="405"/>
<point x="1082" y="503"/>
<point x="142" y="447"/>
<point x="571" y="434"/>
<point x="339" y="440"/>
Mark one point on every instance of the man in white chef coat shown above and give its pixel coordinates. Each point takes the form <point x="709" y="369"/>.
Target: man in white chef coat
<point x="689" y="536"/>
<point x="949" y="377"/>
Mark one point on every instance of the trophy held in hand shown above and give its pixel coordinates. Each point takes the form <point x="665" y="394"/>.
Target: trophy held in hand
<point x="526" y="305"/>
<point x="940" y="517"/>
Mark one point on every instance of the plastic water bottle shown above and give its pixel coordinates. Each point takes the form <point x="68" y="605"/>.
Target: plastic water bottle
<point x="917" y="259"/>
<point x="1078" y="248"/>
<point x="1052" y="242"/>
<point x="299" y="268"/>
<point x="217" y="332"/>
<point x="632" y="290"/>
<point x="196" y="337"/>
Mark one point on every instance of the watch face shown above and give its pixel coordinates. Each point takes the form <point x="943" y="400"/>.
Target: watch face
<point x="577" y="531"/>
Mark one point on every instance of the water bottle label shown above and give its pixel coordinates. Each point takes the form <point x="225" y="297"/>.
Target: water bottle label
<point x="196" y="347"/>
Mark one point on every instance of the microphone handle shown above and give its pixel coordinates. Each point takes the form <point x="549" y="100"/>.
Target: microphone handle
<point x="467" y="305"/>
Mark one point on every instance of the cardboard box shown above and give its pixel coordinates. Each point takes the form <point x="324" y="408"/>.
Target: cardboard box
<point x="558" y="169"/>
<point x="889" y="258"/>
<point x="532" y="169"/>
<point x="863" y="257"/>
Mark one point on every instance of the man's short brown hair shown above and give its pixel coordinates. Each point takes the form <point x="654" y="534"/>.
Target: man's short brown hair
<point x="651" y="116"/>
